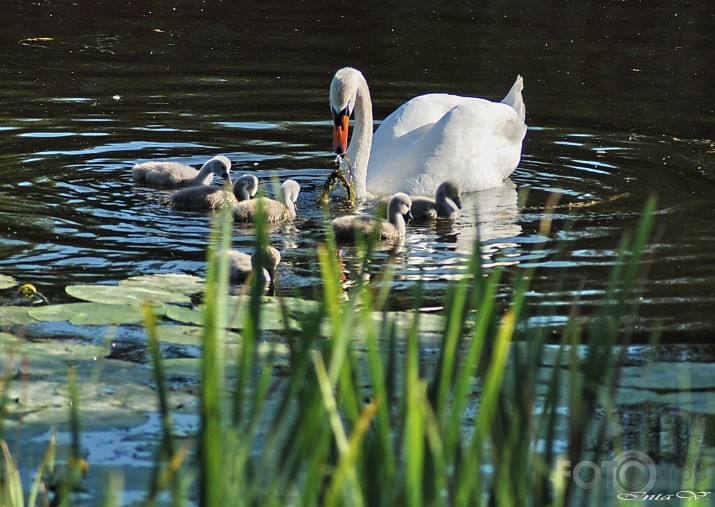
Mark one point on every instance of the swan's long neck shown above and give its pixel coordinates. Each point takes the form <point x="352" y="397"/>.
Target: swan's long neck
<point x="361" y="141"/>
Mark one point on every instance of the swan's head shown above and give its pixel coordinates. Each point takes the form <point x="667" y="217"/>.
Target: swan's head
<point x="400" y="204"/>
<point x="450" y="190"/>
<point x="220" y="166"/>
<point x="245" y="187"/>
<point x="289" y="194"/>
<point x="343" y="95"/>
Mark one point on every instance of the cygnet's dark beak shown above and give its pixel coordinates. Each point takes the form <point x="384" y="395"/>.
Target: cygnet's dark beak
<point x="226" y="177"/>
<point x="458" y="202"/>
<point x="409" y="215"/>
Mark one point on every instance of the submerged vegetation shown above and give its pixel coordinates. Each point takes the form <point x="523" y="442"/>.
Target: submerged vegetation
<point x="354" y="404"/>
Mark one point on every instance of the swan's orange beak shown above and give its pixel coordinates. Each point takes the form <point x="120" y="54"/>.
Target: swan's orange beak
<point x="340" y="133"/>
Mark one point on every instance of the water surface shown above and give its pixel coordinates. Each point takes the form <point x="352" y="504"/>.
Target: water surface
<point x="618" y="104"/>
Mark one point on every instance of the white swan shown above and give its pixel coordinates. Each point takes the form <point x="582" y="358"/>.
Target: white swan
<point x="175" y="174"/>
<point x="348" y="228"/>
<point x="275" y="210"/>
<point x="427" y="140"/>
<point x="212" y="197"/>
<point x="241" y="265"/>
<point x="446" y="203"/>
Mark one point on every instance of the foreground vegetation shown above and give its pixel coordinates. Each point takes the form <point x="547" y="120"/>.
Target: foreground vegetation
<point x="363" y="415"/>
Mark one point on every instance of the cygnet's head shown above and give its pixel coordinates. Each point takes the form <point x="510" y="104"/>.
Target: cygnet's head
<point x="288" y="195"/>
<point x="220" y="166"/>
<point x="267" y="259"/>
<point x="245" y="187"/>
<point x="450" y="190"/>
<point x="401" y="204"/>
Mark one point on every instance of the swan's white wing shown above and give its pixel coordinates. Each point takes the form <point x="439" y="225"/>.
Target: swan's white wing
<point x="434" y="137"/>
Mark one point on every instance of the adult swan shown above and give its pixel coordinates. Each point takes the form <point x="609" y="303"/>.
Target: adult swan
<point x="427" y="140"/>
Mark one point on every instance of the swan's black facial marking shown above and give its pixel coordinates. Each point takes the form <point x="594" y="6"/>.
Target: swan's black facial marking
<point x="338" y="115"/>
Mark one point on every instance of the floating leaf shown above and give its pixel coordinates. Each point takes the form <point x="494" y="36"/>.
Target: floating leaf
<point x="236" y="313"/>
<point x="7" y="338"/>
<point x="49" y="359"/>
<point x="669" y="376"/>
<point x="297" y="306"/>
<point x="80" y="314"/>
<point x="125" y="294"/>
<point x="185" y="367"/>
<point x="699" y="402"/>
<point x="7" y="281"/>
<point x="15" y="315"/>
<point x="169" y="282"/>
<point x="189" y="335"/>
<point x="625" y="396"/>
<point x="185" y="315"/>
<point x="428" y="322"/>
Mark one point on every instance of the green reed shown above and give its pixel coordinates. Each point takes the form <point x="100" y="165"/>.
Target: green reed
<point x="359" y="419"/>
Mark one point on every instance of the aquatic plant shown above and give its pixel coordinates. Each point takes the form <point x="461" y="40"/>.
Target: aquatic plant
<point x="356" y="404"/>
<point x="361" y="417"/>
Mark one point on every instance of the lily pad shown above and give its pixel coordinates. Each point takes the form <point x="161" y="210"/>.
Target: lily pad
<point x="9" y="339"/>
<point x="664" y="376"/>
<point x="699" y="402"/>
<point x="189" y="335"/>
<point x="236" y="313"/>
<point x="125" y="294"/>
<point x="185" y="367"/>
<point x="429" y="322"/>
<point x="63" y="350"/>
<point x="89" y="314"/>
<point x="169" y="282"/>
<point x="7" y="281"/>
<point x="15" y="315"/>
<point x="625" y="396"/>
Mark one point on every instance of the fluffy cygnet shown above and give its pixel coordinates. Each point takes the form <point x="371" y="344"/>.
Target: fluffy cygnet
<point x="241" y="265"/>
<point x="175" y="174"/>
<point x="446" y="203"/>
<point x="275" y="210"/>
<point x="212" y="197"/>
<point x="348" y="228"/>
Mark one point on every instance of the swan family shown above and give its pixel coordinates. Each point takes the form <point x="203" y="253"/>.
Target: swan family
<point x="421" y="157"/>
<point x="429" y="139"/>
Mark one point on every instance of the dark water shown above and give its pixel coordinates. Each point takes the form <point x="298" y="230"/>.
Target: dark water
<point x="619" y="105"/>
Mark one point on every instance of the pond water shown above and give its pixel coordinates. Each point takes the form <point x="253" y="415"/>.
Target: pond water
<point x="618" y="105"/>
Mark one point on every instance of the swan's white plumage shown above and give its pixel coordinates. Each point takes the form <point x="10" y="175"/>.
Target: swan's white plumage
<point x="431" y="138"/>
